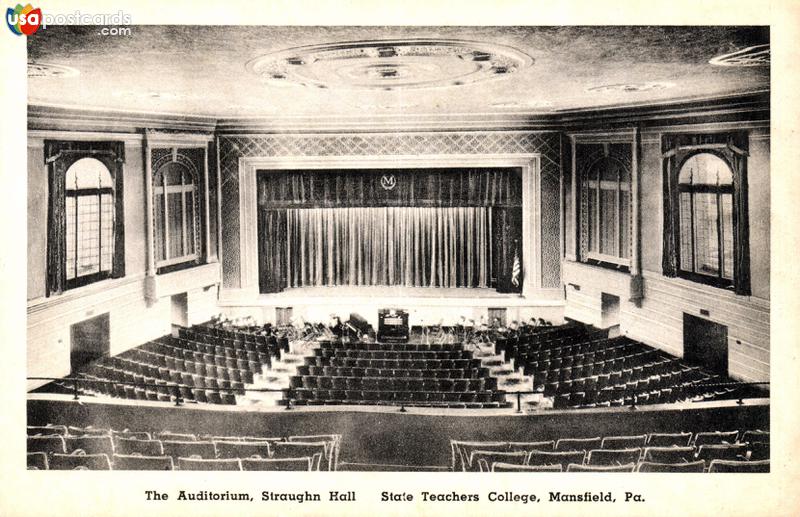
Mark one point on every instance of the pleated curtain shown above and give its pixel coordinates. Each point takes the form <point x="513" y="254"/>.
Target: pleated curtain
<point x="389" y="246"/>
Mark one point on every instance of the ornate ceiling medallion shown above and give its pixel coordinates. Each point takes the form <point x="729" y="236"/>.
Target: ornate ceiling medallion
<point x="51" y="70"/>
<point x="758" y="55"/>
<point x="390" y="64"/>
<point x="631" y="87"/>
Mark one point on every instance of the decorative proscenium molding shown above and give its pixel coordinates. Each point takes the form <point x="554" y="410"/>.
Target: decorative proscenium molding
<point x="248" y="167"/>
<point x="396" y="150"/>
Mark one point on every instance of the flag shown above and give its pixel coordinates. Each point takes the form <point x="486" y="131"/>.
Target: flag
<point x="516" y="269"/>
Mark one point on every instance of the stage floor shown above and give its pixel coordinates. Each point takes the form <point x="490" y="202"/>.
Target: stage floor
<point x="349" y="291"/>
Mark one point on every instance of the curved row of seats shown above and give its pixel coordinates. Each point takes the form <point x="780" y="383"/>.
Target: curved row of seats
<point x="437" y="373"/>
<point x="386" y="383"/>
<point x="661" y="452"/>
<point x="59" y="447"/>
<point x="465" y="399"/>
<point x="395" y="364"/>
<point x="181" y="353"/>
<point x="391" y="347"/>
<point x="233" y="337"/>
<point x="391" y="354"/>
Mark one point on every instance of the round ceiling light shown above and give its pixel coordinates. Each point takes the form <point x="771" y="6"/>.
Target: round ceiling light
<point x="390" y="64"/>
<point x="51" y="70"/>
<point x="631" y="87"/>
<point x="758" y="55"/>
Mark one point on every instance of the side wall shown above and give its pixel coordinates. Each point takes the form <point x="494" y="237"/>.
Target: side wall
<point x="134" y="317"/>
<point x="658" y="318"/>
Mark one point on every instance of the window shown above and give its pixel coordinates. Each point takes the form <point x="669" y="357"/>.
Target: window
<point x="176" y="214"/>
<point x="89" y="204"/>
<point x="85" y="230"/>
<point x="605" y="230"/>
<point x="705" y="186"/>
<point x="706" y="231"/>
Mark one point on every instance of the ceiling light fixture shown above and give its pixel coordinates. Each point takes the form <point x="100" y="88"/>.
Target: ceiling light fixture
<point x="757" y="55"/>
<point x="390" y="64"/>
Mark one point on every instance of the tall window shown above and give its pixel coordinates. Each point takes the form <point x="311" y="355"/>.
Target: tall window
<point x="706" y="230"/>
<point x="89" y="207"/>
<point x="177" y="221"/>
<point x="85" y="216"/>
<point x="606" y="206"/>
<point x="705" y="186"/>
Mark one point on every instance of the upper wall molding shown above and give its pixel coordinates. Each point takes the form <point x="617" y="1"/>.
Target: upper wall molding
<point x="750" y="107"/>
<point x="81" y="119"/>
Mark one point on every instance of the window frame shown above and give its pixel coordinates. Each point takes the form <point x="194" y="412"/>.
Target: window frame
<point x="731" y="147"/>
<point x="718" y="191"/>
<point x="164" y="190"/>
<point x="60" y="156"/>
<point x="190" y="168"/>
<point x="592" y="185"/>
<point x="79" y="281"/>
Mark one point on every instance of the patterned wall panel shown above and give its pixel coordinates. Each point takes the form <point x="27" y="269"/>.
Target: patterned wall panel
<point x="231" y="148"/>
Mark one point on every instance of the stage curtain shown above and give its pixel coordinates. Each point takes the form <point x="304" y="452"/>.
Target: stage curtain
<point x="392" y="246"/>
<point x="273" y="274"/>
<point x="506" y="241"/>
<point x="488" y="187"/>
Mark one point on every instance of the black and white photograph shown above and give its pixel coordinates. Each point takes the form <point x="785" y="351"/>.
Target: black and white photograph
<point x="345" y="253"/>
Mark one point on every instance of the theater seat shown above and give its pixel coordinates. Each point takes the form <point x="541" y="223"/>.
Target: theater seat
<point x="275" y="464"/>
<point x="623" y="442"/>
<point x="204" y="450"/>
<point x="314" y="450"/>
<point x="669" y="454"/>
<point x="37" y="461"/>
<point x="741" y="467"/>
<point x="141" y="462"/>
<point x="485" y="459"/>
<point x="77" y="461"/>
<point x="563" y="458"/>
<point x="133" y="446"/>
<point x="598" y="468"/>
<point x="694" y="466"/>
<point x="508" y="467"/>
<point x="47" y="444"/>
<point x="464" y="451"/>
<point x="606" y="457"/>
<point x="201" y="464"/>
<point x="715" y="438"/>
<point x="669" y="439"/>
<point x="709" y="453"/>
<point x="227" y="449"/>
<point x="578" y="444"/>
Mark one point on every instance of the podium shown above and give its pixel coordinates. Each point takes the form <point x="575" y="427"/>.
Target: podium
<point x="393" y="325"/>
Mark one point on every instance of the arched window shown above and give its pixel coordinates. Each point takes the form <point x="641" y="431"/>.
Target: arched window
<point x="176" y="214"/>
<point x="89" y="210"/>
<point x="705" y="187"/>
<point x="85" y="215"/>
<point x="605" y="225"/>
<point x="706" y="222"/>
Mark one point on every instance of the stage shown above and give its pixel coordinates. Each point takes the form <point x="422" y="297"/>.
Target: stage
<point x="426" y="306"/>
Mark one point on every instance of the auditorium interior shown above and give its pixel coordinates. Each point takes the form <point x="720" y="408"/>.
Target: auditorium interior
<point x="319" y="248"/>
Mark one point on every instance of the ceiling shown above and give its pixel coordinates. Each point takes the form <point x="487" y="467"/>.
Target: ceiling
<point x="220" y="71"/>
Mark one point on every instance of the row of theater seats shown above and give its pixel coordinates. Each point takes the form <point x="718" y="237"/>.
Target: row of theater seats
<point x="60" y="447"/>
<point x="579" y="367"/>
<point x="205" y="364"/>
<point x="441" y="375"/>
<point x="398" y="372"/>
<point x="747" y="451"/>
